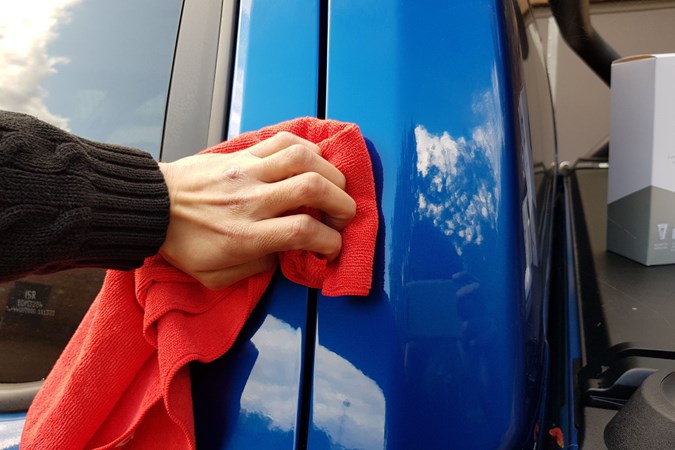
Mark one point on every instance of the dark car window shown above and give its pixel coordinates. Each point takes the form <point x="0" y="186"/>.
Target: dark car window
<point x="98" y="68"/>
<point x="101" y="70"/>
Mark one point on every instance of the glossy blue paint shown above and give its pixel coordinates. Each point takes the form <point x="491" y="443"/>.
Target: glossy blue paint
<point x="436" y="356"/>
<point x="276" y="64"/>
<point x="249" y="398"/>
<point x="567" y="413"/>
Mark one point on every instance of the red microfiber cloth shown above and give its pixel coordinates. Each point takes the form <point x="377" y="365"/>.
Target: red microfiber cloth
<point x="123" y="379"/>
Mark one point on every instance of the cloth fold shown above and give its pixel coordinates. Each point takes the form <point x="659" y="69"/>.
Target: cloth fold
<point x="123" y="380"/>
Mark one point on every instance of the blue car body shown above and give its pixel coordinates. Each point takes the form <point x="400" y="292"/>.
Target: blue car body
<point x="449" y="349"/>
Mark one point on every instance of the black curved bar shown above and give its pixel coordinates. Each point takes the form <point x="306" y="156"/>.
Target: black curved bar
<point x="574" y="20"/>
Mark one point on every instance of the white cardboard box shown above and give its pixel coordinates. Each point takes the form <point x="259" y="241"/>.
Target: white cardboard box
<point x="641" y="191"/>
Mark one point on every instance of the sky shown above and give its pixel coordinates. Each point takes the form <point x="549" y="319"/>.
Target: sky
<point x="26" y="29"/>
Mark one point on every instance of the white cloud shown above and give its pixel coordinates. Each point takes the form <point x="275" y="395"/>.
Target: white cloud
<point x="348" y="406"/>
<point x="10" y="433"/>
<point x="26" y="29"/>
<point x="490" y="135"/>
<point x="272" y="388"/>
<point x="237" y="102"/>
<point x="439" y="151"/>
<point x="245" y="7"/>
<point x="460" y="193"/>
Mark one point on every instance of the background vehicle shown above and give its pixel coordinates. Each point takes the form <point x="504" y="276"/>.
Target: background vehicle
<point x="451" y="349"/>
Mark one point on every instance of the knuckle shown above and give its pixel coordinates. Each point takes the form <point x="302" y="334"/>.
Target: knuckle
<point x="335" y="245"/>
<point x="332" y="243"/>
<point x="227" y="235"/>
<point x="352" y="208"/>
<point x="233" y="173"/>
<point x="298" y="157"/>
<point x="301" y="229"/>
<point x="236" y="205"/>
<point x="311" y="185"/>
<point x="285" y="138"/>
<point x="342" y="180"/>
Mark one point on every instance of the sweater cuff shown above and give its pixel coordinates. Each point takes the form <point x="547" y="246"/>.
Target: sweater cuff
<point x="129" y="207"/>
<point x="69" y="202"/>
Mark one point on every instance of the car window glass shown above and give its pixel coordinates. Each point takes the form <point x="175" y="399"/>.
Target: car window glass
<point x="101" y="70"/>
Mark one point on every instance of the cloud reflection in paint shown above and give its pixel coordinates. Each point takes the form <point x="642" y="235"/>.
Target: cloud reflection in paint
<point x="459" y="191"/>
<point x="237" y="102"/>
<point x="348" y="406"/>
<point x="10" y="433"/>
<point x="272" y="388"/>
<point x="26" y="29"/>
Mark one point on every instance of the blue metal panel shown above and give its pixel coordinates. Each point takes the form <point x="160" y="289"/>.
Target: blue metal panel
<point x="435" y="357"/>
<point x="567" y="413"/>
<point x="249" y="398"/>
<point x="276" y="65"/>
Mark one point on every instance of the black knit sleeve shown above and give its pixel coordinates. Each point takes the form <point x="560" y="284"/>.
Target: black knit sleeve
<point x="67" y="202"/>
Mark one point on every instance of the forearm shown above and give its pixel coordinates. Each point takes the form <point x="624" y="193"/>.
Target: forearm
<point x="67" y="202"/>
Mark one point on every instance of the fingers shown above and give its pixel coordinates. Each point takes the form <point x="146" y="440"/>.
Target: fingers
<point x="298" y="176"/>
<point x="285" y="155"/>
<point x="280" y="141"/>
<point x="298" y="232"/>
<point x="314" y="191"/>
<point x="297" y="159"/>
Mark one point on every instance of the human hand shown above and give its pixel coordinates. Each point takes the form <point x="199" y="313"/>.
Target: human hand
<point x="229" y="213"/>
